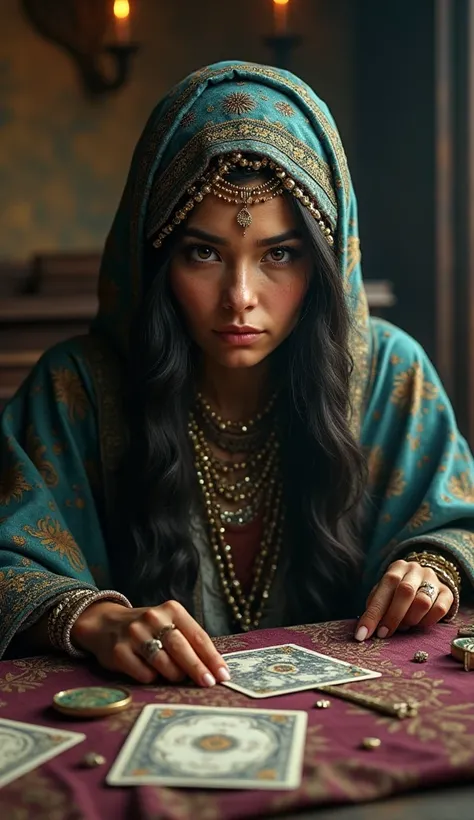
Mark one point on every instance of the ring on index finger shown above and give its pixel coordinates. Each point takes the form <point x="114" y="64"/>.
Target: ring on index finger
<point x="429" y="589"/>
<point x="149" y="649"/>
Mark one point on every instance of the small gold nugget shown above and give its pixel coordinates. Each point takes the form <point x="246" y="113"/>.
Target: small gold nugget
<point x="93" y="759"/>
<point x="371" y="743"/>
<point x="323" y="704"/>
<point x="420" y="656"/>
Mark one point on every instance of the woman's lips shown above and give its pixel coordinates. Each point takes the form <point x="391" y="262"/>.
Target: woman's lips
<point x="239" y="338"/>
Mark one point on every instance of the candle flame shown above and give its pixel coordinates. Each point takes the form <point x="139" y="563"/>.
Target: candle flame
<point x="122" y="9"/>
<point x="281" y="2"/>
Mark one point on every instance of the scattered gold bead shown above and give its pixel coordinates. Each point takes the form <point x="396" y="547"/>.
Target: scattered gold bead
<point x="371" y="743"/>
<point x="323" y="704"/>
<point x="93" y="759"/>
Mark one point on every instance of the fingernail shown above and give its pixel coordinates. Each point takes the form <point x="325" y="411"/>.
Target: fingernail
<point x="208" y="679"/>
<point x="222" y="674"/>
<point x="361" y="633"/>
<point x="382" y="632"/>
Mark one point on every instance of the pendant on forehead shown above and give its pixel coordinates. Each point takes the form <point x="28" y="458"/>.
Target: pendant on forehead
<point x="244" y="218"/>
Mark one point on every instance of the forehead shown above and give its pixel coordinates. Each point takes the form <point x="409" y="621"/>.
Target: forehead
<point x="269" y="218"/>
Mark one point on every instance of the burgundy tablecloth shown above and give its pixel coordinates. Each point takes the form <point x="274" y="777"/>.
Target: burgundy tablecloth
<point x="433" y="748"/>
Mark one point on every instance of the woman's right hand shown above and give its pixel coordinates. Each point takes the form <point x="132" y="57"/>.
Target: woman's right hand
<point x="117" y="635"/>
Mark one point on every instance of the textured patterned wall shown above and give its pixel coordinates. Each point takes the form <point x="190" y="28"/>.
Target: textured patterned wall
<point x="63" y="158"/>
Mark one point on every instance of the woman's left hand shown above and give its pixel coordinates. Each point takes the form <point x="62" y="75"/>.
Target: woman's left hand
<point x="397" y="601"/>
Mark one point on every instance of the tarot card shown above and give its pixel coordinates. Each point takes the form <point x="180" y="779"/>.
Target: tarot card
<point x="279" y="670"/>
<point x="213" y="748"/>
<point x="24" y="746"/>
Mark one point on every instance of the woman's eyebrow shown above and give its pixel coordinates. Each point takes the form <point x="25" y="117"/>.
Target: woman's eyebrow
<point x="197" y="233"/>
<point x="282" y="237"/>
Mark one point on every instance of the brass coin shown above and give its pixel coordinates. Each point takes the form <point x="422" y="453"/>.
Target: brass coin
<point x="92" y="701"/>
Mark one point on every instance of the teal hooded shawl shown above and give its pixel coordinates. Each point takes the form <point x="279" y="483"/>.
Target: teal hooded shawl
<point x="61" y="435"/>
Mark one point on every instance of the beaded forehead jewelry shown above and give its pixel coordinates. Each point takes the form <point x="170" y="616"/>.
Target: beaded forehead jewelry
<point x="214" y="182"/>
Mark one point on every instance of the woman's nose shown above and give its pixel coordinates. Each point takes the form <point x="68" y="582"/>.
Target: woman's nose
<point x="240" y="291"/>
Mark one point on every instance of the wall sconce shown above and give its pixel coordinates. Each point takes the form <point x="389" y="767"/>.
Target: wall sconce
<point x="80" y="27"/>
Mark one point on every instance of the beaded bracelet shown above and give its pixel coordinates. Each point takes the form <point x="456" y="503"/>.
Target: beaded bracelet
<point x="65" y="613"/>
<point x="446" y="571"/>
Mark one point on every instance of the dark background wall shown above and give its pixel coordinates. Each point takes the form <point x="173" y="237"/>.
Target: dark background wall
<point x="63" y="158"/>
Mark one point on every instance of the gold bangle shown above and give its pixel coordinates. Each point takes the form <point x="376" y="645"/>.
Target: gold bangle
<point x="439" y="560"/>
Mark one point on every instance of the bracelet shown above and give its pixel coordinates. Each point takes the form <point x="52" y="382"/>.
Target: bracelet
<point x="447" y="573"/>
<point x="66" y="600"/>
<point x="435" y="559"/>
<point x="65" y="613"/>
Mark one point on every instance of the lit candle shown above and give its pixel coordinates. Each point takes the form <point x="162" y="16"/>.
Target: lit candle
<point x="280" y="16"/>
<point x="122" y="21"/>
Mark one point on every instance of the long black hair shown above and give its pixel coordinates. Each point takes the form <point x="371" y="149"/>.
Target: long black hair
<point x="323" y="467"/>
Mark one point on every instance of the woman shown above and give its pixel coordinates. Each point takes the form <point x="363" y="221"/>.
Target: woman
<point x="235" y="444"/>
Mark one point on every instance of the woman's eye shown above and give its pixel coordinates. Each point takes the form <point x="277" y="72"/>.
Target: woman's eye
<point x="281" y="255"/>
<point x="200" y="253"/>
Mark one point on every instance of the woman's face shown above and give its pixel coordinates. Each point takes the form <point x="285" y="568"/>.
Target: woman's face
<point x="241" y="295"/>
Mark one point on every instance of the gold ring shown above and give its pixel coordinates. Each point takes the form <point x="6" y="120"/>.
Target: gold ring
<point x="429" y="590"/>
<point x="164" y="631"/>
<point x="151" y="648"/>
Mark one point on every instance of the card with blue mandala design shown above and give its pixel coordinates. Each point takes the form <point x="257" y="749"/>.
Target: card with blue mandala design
<point x="212" y="747"/>
<point x="280" y="670"/>
<point x="24" y="746"/>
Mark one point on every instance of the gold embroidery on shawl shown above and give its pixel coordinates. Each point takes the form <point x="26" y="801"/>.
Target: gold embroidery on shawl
<point x="69" y="390"/>
<point x="375" y="465"/>
<point x="13" y="484"/>
<point x="188" y="119"/>
<point x="238" y="102"/>
<point x="192" y="161"/>
<point x="36" y="451"/>
<point x="461" y="487"/>
<point x="285" y="108"/>
<point x="396" y="485"/>
<point x="410" y="387"/>
<point x="55" y="539"/>
<point x="422" y="516"/>
<point x="19" y="540"/>
<point x="353" y="255"/>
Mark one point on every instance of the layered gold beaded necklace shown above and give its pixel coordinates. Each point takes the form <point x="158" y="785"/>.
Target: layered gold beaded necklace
<point x="235" y="492"/>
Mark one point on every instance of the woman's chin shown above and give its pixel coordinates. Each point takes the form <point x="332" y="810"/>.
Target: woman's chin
<point x="235" y="359"/>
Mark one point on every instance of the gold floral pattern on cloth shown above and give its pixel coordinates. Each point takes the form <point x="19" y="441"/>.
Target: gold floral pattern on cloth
<point x="55" y="539"/>
<point x="422" y="516"/>
<point x="36" y="451"/>
<point x="41" y="797"/>
<point x="188" y="119"/>
<point x="185" y="804"/>
<point x="461" y="487"/>
<point x="353" y="255"/>
<point x="356" y="781"/>
<point x="410" y="388"/>
<point x="285" y="108"/>
<point x="449" y="726"/>
<point x="375" y="465"/>
<point x="13" y="483"/>
<point x="69" y="390"/>
<point x="396" y="485"/>
<point x="32" y="673"/>
<point x="238" y="102"/>
<point x="230" y="643"/>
